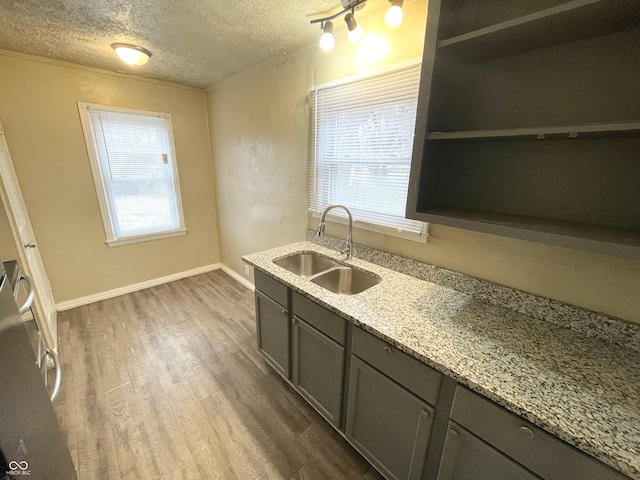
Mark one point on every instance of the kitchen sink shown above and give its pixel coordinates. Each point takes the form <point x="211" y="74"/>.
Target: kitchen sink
<point x="346" y="280"/>
<point x="305" y="264"/>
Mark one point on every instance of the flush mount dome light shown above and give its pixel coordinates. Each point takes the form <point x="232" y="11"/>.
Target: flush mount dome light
<point x="131" y="54"/>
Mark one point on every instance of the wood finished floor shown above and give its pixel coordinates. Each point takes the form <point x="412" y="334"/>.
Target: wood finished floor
<point x="167" y="383"/>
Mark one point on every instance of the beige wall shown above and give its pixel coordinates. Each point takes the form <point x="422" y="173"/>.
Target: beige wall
<point x="38" y="108"/>
<point x="259" y="130"/>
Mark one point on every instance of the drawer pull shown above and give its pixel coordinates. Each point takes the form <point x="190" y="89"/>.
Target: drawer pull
<point x="526" y="431"/>
<point x="387" y="350"/>
<point x="294" y="321"/>
<point x="424" y="413"/>
<point x="284" y="312"/>
<point x="453" y="433"/>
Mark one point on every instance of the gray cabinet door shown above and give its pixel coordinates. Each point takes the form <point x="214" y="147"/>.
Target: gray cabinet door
<point x="466" y="457"/>
<point x="318" y="370"/>
<point x="388" y="424"/>
<point x="272" y="326"/>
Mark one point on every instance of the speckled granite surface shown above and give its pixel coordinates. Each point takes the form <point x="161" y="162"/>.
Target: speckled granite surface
<point x="584" y="321"/>
<point x="582" y="389"/>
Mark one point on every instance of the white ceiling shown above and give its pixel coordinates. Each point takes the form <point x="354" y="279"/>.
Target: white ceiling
<point x="194" y="42"/>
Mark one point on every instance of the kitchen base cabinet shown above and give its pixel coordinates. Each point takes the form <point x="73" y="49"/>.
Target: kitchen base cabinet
<point x="535" y="449"/>
<point x="272" y="326"/>
<point x="318" y="369"/>
<point x="389" y="425"/>
<point x="466" y="457"/>
<point x="381" y="399"/>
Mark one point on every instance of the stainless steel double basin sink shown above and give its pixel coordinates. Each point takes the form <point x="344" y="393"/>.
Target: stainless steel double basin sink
<point x="335" y="277"/>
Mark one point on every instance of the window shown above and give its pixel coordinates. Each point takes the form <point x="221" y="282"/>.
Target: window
<point x="361" y="143"/>
<point x="134" y="169"/>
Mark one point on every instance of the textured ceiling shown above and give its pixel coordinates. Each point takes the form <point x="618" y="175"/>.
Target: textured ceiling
<point x="194" y="42"/>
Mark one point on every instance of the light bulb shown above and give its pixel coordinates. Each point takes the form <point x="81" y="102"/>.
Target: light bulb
<point x="131" y="54"/>
<point x="355" y="34"/>
<point x="327" y="40"/>
<point x="354" y="31"/>
<point x="393" y="18"/>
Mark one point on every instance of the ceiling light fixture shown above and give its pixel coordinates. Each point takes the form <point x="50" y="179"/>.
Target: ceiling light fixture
<point x="393" y="18"/>
<point x="131" y="54"/>
<point x="354" y="31"/>
<point x="327" y="40"/>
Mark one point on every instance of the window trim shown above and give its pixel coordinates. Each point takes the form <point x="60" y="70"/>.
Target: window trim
<point x="423" y="235"/>
<point x="111" y="239"/>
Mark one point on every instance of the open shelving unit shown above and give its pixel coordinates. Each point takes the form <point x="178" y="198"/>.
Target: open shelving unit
<point x="559" y="24"/>
<point x="529" y="122"/>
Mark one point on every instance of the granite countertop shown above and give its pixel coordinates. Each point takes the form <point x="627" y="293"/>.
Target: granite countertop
<point x="582" y="389"/>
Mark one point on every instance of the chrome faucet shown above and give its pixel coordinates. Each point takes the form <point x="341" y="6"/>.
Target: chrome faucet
<point x="320" y="232"/>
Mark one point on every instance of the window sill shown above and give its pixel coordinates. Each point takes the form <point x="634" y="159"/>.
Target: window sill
<point x="145" y="238"/>
<point x="372" y="227"/>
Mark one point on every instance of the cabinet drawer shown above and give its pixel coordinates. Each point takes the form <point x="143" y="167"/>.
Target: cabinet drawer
<point x="466" y="456"/>
<point x="409" y="372"/>
<point x="272" y="288"/>
<point x="532" y="447"/>
<point x="332" y="325"/>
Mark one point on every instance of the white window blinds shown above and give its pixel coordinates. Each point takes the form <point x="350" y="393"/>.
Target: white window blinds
<point x="361" y="144"/>
<point x="136" y="166"/>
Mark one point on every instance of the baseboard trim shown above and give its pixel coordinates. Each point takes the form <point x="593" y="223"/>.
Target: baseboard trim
<point x="239" y="278"/>
<point x="116" y="292"/>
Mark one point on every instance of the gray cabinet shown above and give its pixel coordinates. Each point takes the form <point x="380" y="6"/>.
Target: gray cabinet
<point x="272" y="328"/>
<point x="466" y="457"/>
<point x="388" y="424"/>
<point x="382" y="399"/>
<point x="536" y="450"/>
<point x="318" y="369"/>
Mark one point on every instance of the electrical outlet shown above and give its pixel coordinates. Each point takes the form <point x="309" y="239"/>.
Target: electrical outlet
<point x="246" y="270"/>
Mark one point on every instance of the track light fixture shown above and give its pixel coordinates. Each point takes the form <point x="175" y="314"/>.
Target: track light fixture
<point x="393" y="18"/>
<point x="327" y="40"/>
<point x="354" y="31"/>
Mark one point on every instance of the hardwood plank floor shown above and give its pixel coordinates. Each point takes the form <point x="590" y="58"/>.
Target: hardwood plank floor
<point x="167" y="383"/>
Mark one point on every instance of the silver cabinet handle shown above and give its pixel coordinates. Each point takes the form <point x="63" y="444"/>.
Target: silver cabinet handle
<point x="453" y="433"/>
<point x="30" y="245"/>
<point x="294" y="321"/>
<point x="56" y="364"/>
<point x="424" y="413"/>
<point x="526" y="431"/>
<point x="387" y="350"/>
<point x="30" y="293"/>
<point x="284" y="312"/>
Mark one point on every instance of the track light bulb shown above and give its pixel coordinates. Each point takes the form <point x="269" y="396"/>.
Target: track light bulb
<point x="393" y="18"/>
<point x="354" y="31"/>
<point x="327" y="40"/>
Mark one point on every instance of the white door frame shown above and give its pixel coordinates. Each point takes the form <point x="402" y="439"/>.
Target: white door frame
<point x="30" y="261"/>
